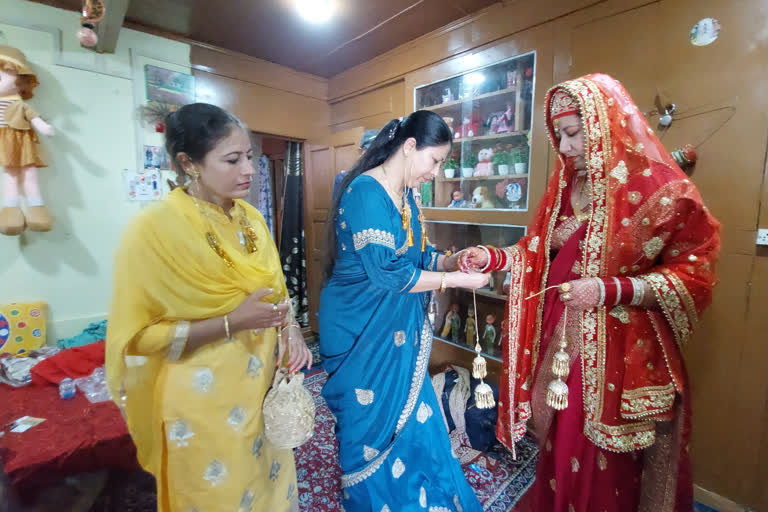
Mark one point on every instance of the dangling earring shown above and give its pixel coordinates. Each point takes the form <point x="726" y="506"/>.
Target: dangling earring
<point x="557" y="391"/>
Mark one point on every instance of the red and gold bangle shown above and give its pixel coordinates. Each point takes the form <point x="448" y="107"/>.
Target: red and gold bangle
<point x="503" y="260"/>
<point x="612" y="291"/>
<point x="617" y="290"/>
<point x="488" y="266"/>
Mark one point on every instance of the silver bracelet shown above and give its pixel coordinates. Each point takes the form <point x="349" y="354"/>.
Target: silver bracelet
<point x="638" y="291"/>
<point x="601" y="286"/>
<point x="618" y="291"/>
<point x="488" y="254"/>
<point x="179" y="341"/>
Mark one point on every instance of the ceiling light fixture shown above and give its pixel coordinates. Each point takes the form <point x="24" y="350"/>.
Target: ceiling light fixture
<point x="315" y="11"/>
<point x="474" y="78"/>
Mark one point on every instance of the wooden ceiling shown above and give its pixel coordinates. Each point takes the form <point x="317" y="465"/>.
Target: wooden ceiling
<point x="273" y="30"/>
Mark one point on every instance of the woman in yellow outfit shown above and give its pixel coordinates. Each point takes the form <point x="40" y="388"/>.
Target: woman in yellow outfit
<point x="199" y="297"/>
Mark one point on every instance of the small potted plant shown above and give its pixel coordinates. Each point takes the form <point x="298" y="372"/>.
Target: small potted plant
<point x="468" y="163"/>
<point x="501" y="162"/>
<point x="449" y="168"/>
<point x="520" y="159"/>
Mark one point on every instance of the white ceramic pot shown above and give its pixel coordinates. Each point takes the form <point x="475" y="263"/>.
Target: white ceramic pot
<point x="521" y="168"/>
<point x="503" y="169"/>
<point x="467" y="172"/>
<point x="450" y="173"/>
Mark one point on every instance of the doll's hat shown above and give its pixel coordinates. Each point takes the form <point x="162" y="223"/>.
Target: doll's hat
<point x="14" y="56"/>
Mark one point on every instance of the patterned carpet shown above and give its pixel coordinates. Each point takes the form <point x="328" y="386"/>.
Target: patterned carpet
<point x="319" y="475"/>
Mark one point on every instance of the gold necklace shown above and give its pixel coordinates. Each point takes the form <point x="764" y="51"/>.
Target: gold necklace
<point x="249" y="234"/>
<point x="581" y="213"/>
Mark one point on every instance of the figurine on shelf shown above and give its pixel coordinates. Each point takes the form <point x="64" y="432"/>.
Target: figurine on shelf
<point x="469" y="127"/>
<point x="484" y="165"/>
<point x="481" y="198"/>
<point x="19" y="147"/>
<point x="510" y="192"/>
<point x="470" y="329"/>
<point x="489" y="335"/>
<point x="457" y="199"/>
<point x="452" y="324"/>
<point x="426" y="194"/>
<point x="447" y="95"/>
<point x="506" y="120"/>
<point x="492" y="124"/>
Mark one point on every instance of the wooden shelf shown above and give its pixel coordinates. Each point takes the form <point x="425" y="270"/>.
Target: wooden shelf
<point x="470" y="349"/>
<point x="487" y="293"/>
<point x="449" y="104"/>
<point x="494" y="136"/>
<point x="481" y="178"/>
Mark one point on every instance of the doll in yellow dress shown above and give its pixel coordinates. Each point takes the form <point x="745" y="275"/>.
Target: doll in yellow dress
<point x="470" y="329"/>
<point x="19" y="157"/>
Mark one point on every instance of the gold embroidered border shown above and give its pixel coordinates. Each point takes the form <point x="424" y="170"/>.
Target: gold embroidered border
<point x="671" y="304"/>
<point x="690" y="306"/>
<point x="647" y="401"/>
<point x="621" y="439"/>
<point x="514" y="309"/>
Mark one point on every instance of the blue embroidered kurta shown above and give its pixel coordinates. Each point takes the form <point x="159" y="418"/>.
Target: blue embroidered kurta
<point x="375" y="341"/>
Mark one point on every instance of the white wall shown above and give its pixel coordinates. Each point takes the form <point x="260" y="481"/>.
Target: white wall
<point x="90" y="99"/>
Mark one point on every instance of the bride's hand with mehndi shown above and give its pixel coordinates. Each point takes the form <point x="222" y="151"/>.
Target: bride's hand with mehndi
<point x="580" y="294"/>
<point x="472" y="259"/>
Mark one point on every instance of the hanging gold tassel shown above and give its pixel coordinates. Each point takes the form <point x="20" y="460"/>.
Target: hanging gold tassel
<point x="483" y="392"/>
<point x="557" y="391"/>
<point x="424" y="238"/>
<point x="557" y="394"/>
<point x="407" y="222"/>
<point x="484" y="396"/>
<point x="479" y="367"/>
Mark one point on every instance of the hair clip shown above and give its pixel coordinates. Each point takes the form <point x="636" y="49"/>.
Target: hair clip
<point x="392" y="131"/>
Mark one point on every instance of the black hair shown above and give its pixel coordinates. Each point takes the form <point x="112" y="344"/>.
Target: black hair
<point x="426" y="127"/>
<point x="195" y="129"/>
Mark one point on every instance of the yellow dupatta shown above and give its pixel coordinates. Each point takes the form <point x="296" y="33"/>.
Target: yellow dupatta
<point x="166" y="271"/>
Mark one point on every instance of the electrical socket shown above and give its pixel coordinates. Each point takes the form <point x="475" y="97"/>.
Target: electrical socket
<point x="762" y="237"/>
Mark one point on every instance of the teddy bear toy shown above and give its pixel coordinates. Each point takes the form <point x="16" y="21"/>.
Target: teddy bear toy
<point x="484" y="166"/>
<point x="19" y="157"/>
<point x="481" y="199"/>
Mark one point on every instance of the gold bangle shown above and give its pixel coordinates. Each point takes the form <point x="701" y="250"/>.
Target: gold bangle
<point x="442" y="282"/>
<point x="226" y="327"/>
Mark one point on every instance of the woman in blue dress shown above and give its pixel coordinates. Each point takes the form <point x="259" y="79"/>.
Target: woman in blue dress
<point x="375" y="335"/>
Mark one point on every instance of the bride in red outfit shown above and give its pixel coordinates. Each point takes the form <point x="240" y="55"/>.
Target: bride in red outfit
<point x="593" y="366"/>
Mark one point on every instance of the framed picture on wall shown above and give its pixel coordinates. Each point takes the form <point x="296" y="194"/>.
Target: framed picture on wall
<point x="155" y="157"/>
<point x="166" y="86"/>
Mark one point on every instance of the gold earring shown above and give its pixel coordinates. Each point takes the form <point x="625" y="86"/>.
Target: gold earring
<point x="195" y="174"/>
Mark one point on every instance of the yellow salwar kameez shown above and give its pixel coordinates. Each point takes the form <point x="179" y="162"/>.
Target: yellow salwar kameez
<point x="197" y="422"/>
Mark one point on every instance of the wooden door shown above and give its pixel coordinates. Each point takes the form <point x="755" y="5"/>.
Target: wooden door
<point x="647" y="49"/>
<point x="324" y="159"/>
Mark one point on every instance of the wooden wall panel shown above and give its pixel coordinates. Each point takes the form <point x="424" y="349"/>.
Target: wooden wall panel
<point x="258" y="71"/>
<point x="491" y="25"/>
<point x="265" y="109"/>
<point x="371" y="110"/>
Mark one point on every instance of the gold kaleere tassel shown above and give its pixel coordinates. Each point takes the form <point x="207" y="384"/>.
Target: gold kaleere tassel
<point x="483" y="392"/>
<point x="407" y="222"/>
<point x="424" y="238"/>
<point x="557" y="391"/>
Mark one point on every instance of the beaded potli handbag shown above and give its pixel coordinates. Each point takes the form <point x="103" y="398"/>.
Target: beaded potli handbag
<point x="289" y="410"/>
